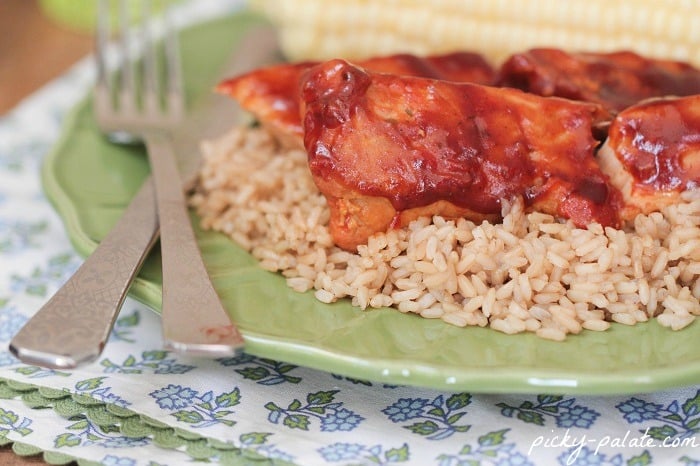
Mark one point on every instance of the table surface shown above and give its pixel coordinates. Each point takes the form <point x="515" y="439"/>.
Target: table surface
<point x="26" y="32"/>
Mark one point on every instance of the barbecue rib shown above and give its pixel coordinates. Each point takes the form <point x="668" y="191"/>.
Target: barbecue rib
<point x="271" y="94"/>
<point x="385" y="149"/>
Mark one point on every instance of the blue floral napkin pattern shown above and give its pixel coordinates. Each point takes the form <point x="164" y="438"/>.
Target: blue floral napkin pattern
<point x="140" y="405"/>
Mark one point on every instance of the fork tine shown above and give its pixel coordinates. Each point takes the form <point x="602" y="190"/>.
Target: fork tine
<point x="150" y="65"/>
<point x="175" y="94"/>
<point x="127" y="90"/>
<point x="102" y="32"/>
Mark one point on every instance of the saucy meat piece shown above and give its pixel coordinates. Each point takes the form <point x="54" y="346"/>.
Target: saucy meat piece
<point x="615" y="80"/>
<point x="272" y="93"/>
<point x="653" y="152"/>
<point x="385" y="149"/>
<point x="456" y="66"/>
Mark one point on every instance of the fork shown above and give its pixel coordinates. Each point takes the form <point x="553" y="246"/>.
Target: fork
<point x="194" y="320"/>
<point x="72" y="327"/>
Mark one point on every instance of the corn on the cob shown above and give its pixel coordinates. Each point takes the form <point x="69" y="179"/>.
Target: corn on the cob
<point x="321" y="29"/>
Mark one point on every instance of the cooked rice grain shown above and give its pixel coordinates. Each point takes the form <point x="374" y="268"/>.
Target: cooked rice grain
<point x="530" y="273"/>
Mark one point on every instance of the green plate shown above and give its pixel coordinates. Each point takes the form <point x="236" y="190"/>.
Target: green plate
<point x="90" y="182"/>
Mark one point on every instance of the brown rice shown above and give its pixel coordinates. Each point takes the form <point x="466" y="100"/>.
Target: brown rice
<point x="530" y="273"/>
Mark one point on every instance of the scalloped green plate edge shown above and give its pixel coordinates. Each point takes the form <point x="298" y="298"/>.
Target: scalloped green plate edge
<point x="90" y="182"/>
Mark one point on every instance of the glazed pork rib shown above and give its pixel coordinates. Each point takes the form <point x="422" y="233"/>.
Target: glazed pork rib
<point x="386" y="149"/>
<point x="271" y="94"/>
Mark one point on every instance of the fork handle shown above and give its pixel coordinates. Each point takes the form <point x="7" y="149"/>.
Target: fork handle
<point x="73" y="326"/>
<point x="194" y="320"/>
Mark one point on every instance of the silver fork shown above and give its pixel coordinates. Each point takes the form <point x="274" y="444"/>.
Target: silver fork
<point x="72" y="328"/>
<point x="194" y="320"/>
